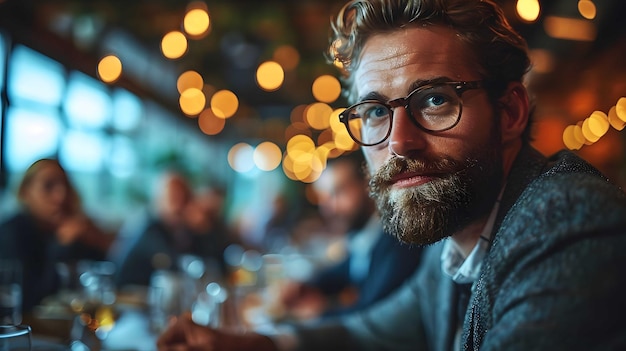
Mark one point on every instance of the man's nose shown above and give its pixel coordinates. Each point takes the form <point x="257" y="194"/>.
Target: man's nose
<point x="406" y="137"/>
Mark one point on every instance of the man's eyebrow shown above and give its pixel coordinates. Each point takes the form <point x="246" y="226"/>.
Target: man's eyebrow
<point x="422" y="82"/>
<point x="374" y="95"/>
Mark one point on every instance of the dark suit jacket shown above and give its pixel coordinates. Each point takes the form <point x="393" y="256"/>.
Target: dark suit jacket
<point x="391" y="264"/>
<point x="552" y="280"/>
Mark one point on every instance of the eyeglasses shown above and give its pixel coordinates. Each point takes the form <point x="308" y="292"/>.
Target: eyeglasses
<point x="433" y="108"/>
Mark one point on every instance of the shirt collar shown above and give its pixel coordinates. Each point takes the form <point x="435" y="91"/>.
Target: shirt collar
<point x="466" y="269"/>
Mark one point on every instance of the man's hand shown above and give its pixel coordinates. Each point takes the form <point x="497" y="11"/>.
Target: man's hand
<point x="184" y="335"/>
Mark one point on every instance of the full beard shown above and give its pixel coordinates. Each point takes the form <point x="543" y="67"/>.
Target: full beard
<point x="460" y="193"/>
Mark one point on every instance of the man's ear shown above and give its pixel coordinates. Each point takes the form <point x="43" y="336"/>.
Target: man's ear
<point x="514" y="112"/>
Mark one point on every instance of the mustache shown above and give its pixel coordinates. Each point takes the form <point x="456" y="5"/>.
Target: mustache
<point x="397" y="165"/>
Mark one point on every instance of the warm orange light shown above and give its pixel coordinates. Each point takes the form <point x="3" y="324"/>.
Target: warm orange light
<point x="209" y="123"/>
<point x="587" y="9"/>
<point x="297" y="114"/>
<point x="270" y="76"/>
<point x="196" y="22"/>
<point x="569" y="139"/>
<point x="318" y="115"/>
<point x="192" y="101"/>
<point x="588" y="133"/>
<point x="598" y="123"/>
<point x="326" y="88"/>
<point x="620" y="108"/>
<point x="174" y="45"/>
<point x="224" y="103"/>
<point x="287" y="56"/>
<point x="570" y="29"/>
<point x="528" y="10"/>
<point x="109" y="68"/>
<point x="189" y="79"/>
<point x="335" y="124"/>
<point x="614" y="120"/>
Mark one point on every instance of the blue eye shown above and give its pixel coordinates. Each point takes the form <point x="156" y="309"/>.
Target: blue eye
<point x="436" y="100"/>
<point x="370" y="111"/>
<point x="377" y="112"/>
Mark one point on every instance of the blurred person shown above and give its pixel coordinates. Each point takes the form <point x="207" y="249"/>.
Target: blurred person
<point x="375" y="263"/>
<point x="521" y="251"/>
<point x="206" y="221"/>
<point x="181" y="224"/>
<point x="49" y="229"/>
<point x="160" y="236"/>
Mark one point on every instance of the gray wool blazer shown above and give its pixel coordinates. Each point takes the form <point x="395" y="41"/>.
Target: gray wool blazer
<point x="554" y="277"/>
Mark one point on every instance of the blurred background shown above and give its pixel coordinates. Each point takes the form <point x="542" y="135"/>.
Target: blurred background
<point x="237" y="94"/>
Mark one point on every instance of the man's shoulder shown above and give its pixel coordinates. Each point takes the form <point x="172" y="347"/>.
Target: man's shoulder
<point x="571" y="183"/>
<point x="568" y="181"/>
<point x="568" y="201"/>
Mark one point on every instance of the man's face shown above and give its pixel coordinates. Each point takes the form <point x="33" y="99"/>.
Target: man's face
<point x="429" y="185"/>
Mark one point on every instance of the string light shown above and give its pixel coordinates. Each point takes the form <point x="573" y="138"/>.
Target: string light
<point x="595" y="126"/>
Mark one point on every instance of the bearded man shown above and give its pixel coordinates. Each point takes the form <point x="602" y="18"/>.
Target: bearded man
<point x="523" y="252"/>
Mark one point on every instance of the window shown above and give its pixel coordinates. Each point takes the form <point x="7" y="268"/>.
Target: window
<point x="33" y="77"/>
<point x="83" y="151"/>
<point x="87" y="104"/>
<point x="127" y="110"/>
<point x="30" y="135"/>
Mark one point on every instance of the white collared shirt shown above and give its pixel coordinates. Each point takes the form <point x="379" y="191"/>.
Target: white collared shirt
<point x="464" y="270"/>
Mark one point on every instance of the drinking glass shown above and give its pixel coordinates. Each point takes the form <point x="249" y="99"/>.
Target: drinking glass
<point x="10" y="292"/>
<point x="15" y="337"/>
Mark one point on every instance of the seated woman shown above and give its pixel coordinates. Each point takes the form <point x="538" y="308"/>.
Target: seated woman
<point x="49" y="228"/>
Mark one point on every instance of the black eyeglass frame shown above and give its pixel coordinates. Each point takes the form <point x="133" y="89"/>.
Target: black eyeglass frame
<point x="459" y="88"/>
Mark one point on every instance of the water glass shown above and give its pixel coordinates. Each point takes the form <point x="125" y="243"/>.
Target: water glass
<point x="15" y="337"/>
<point x="10" y="292"/>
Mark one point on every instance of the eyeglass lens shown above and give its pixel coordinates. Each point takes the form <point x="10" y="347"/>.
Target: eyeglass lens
<point x="434" y="108"/>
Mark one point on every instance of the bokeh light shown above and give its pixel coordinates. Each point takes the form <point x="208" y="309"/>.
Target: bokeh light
<point x="587" y="133"/>
<point x="598" y="123"/>
<point x="528" y="10"/>
<point x="318" y="115"/>
<point x="335" y="124"/>
<point x="267" y="156"/>
<point x="192" y="101"/>
<point x="174" y="45"/>
<point x="189" y="79"/>
<point x="270" y="76"/>
<point x="570" y="28"/>
<point x="287" y="56"/>
<point x="326" y="88"/>
<point x="297" y="128"/>
<point x="240" y="157"/>
<point x="224" y="103"/>
<point x="570" y="140"/>
<point x="614" y="120"/>
<point x="297" y="113"/>
<point x="196" y="22"/>
<point x="587" y="9"/>
<point x="620" y="108"/>
<point x="109" y="68"/>
<point x="209" y="123"/>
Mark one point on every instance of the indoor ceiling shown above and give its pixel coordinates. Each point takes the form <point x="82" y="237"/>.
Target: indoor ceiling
<point x="245" y="32"/>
